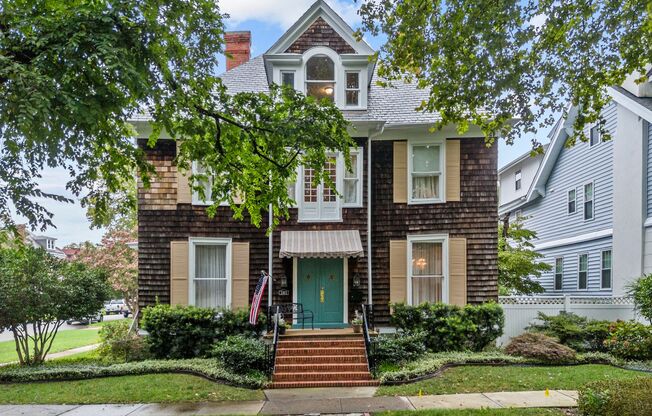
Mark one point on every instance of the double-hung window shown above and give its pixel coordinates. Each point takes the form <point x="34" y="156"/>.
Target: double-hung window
<point x="427" y="270"/>
<point x="594" y="136"/>
<point x="210" y="274"/>
<point x="206" y="184"/>
<point x="583" y="271"/>
<point x="353" y="88"/>
<point x="572" y="201"/>
<point x="320" y="78"/>
<point x="605" y="272"/>
<point x="353" y="180"/>
<point x="559" y="273"/>
<point x="588" y="201"/>
<point x="425" y="166"/>
<point x="517" y="180"/>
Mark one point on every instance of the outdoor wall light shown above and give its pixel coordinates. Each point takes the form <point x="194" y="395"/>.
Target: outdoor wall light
<point x="284" y="281"/>
<point x="356" y="280"/>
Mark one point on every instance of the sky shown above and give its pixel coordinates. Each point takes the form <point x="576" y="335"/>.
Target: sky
<point x="267" y="21"/>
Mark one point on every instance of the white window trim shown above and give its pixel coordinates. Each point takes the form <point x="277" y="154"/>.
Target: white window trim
<point x="442" y="175"/>
<point x="611" y="275"/>
<point x="336" y="81"/>
<point x="592" y="183"/>
<point x="195" y="195"/>
<point x="339" y="184"/>
<point x="288" y="71"/>
<point x="568" y="200"/>
<point x="428" y="238"/>
<point x="193" y="242"/>
<point x="359" y="89"/>
<point x="554" y="275"/>
<point x="591" y="146"/>
<point x="518" y="180"/>
<point x="360" y="165"/>
<point x="587" y="270"/>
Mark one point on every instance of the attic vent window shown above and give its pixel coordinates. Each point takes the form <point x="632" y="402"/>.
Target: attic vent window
<point x="320" y="78"/>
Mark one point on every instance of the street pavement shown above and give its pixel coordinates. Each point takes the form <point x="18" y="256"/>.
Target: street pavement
<point x="312" y="401"/>
<point x="8" y="336"/>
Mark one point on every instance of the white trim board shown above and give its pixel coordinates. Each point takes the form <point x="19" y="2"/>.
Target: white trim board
<point x="574" y="240"/>
<point x="630" y="104"/>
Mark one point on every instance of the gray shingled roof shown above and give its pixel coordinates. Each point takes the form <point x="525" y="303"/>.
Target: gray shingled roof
<point x="248" y="77"/>
<point x="644" y="101"/>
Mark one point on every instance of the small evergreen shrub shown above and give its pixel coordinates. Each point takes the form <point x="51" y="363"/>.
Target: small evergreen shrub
<point x="574" y="331"/>
<point x="630" y="340"/>
<point x="119" y="344"/>
<point x="241" y="354"/>
<point x="399" y="348"/>
<point x="540" y="347"/>
<point x="450" y="327"/>
<point x="179" y="331"/>
<point x="627" y="397"/>
<point x="237" y="323"/>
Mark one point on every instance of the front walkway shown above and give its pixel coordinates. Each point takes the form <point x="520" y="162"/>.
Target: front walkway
<point x="303" y="401"/>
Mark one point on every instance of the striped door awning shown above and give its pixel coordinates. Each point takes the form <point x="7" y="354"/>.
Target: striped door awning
<point x="321" y="244"/>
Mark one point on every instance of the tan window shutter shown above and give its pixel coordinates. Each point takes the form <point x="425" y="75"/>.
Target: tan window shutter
<point x="457" y="271"/>
<point x="400" y="172"/>
<point x="179" y="272"/>
<point x="239" y="275"/>
<point x="184" y="191"/>
<point x="452" y="170"/>
<point x="397" y="271"/>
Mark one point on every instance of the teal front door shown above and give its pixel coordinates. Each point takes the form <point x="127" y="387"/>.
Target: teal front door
<point x="320" y="288"/>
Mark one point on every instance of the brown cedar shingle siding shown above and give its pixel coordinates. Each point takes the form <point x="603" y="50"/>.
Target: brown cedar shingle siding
<point x="474" y="217"/>
<point x="320" y="34"/>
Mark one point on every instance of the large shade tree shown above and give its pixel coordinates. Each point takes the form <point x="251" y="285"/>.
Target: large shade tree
<point x="73" y="72"/>
<point x="490" y="62"/>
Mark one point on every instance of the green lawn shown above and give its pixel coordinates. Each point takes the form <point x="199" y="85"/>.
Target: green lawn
<point x="64" y="340"/>
<point x="480" y="379"/>
<point x="479" y="412"/>
<point x="151" y="388"/>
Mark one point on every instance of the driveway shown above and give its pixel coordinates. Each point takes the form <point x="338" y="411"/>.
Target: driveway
<point x="8" y="336"/>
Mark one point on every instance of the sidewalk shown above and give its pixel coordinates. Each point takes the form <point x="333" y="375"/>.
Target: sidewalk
<point x="302" y="401"/>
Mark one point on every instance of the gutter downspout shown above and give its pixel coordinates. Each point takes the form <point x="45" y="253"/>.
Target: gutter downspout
<point x="270" y="260"/>
<point x="369" y="279"/>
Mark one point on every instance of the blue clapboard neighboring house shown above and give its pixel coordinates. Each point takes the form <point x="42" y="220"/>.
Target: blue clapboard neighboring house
<point x="591" y="204"/>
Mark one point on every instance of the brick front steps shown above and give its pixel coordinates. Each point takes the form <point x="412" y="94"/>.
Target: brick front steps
<point x="314" y="360"/>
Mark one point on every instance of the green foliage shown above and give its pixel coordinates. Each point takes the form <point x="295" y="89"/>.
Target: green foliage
<point x="641" y="292"/>
<point x="451" y="328"/>
<point x="38" y="293"/>
<point x="179" y="331"/>
<point x="518" y="263"/>
<point x="630" y="340"/>
<point x="574" y="331"/>
<point x="72" y="74"/>
<point x="399" y="348"/>
<point x="209" y="368"/>
<point x="490" y="62"/>
<point x="119" y="344"/>
<point x="540" y="347"/>
<point x="628" y="397"/>
<point x="189" y="331"/>
<point x="241" y="354"/>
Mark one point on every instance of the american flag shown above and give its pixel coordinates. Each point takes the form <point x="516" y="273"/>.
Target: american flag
<point x="258" y="295"/>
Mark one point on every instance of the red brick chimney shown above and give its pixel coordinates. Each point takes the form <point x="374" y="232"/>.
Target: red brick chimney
<point x="238" y="46"/>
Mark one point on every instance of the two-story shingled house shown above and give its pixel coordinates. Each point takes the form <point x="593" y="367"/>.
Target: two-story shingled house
<point x="415" y="220"/>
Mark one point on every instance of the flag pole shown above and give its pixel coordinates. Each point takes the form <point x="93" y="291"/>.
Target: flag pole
<point x="270" y="252"/>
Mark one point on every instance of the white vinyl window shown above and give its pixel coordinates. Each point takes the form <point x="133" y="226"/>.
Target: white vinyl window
<point x="605" y="272"/>
<point x="287" y="78"/>
<point x="559" y="273"/>
<point x="207" y="186"/>
<point x="352" y="88"/>
<point x="594" y="136"/>
<point x="50" y="244"/>
<point x="517" y="180"/>
<point x="210" y="273"/>
<point x="572" y="201"/>
<point x="427" y="269"/>
<point x="582" y="271"/>
<point x="426" y="172"/>
<point x="588" y="201"/>
<point x="353" y="180"/>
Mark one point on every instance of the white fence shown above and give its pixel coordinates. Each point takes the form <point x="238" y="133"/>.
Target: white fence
<point x="520" y="312"/>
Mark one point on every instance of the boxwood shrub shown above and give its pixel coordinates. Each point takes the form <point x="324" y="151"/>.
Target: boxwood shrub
<point x="241" y="354"/>
<point x="399" y="348"/>
<point x="450" y="327"/>
<point x="627" y="397"/>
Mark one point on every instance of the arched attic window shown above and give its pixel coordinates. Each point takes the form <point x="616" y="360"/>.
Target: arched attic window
<point x="320" y="77"/>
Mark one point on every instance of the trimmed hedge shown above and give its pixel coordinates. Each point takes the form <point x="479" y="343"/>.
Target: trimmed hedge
<point x="209" y="368"/>
<point x="629" y="397"/>
<point x="399" y="348"/>
<point x="450" y="327"/>
<point x="240" y="354"/>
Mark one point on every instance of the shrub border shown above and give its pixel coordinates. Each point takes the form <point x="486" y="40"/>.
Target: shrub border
<point x="204" y="368"/>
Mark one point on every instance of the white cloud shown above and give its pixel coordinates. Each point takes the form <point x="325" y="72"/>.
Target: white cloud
<point x="283" y="13"/>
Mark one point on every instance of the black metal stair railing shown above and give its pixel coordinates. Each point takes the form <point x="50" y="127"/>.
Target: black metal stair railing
<point x="271" y="349"/>
<point x="367" y="322"/>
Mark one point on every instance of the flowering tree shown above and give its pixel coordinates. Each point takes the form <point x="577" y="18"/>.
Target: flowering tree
<point x="119" y="261"/>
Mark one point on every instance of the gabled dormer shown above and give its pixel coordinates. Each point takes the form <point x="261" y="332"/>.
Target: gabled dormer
<point x="320" y="56"/>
